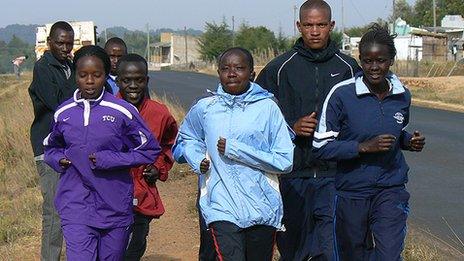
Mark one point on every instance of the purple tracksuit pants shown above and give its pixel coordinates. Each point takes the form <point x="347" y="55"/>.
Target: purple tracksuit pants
<point x="90" y="243"/>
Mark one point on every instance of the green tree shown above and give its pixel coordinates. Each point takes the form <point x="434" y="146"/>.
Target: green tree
<point x="255" y="38"/>
<point x="17" y="43"/>
<point x="358" y="31"/>
<point x="216" y="39"/>
<point x="402" y="10"/>
<point x="423" y="11"/>
<point x="337" y="37"/>
<point x="14" y="48"/>
<point x="283" y="43"/>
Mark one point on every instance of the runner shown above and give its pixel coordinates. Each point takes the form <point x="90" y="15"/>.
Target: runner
<point x="362" y="127"/>
<point x="95" y="139"/>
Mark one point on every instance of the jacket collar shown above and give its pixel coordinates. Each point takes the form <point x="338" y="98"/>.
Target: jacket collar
<point x="253" y="94"/>
<point x="142" y="104"/>
<point x="396" y="87"/>
<point x="53" y="61"/>
<point x="316" y="55"/>
<point x="78" y="99"/>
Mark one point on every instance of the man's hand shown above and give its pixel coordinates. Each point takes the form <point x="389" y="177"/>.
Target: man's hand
<point x="151" y="174"/>
<point x="221" y="145"/>
<point x="204" y="166"/>
<point x="64" y="163"/>
<point x="93" y="158"/>
<point x="417" y="142"/>
<point x="306" y="125"/>
<point x="380" y="143"/>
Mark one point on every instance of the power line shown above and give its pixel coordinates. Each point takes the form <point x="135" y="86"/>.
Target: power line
<point x="357" y="11"/>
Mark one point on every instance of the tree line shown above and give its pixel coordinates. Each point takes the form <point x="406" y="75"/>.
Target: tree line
<point x="218" y="37"/>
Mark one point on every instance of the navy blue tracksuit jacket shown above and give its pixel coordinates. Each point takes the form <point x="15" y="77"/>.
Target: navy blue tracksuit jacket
<point x="371" y="205"/>
<point x="351" y="114"/>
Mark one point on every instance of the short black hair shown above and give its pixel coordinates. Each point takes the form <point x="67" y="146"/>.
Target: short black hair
<point x="244" y="51"/>
<point x="132" y="58"/>
<point x="316" y="4"/>
<point x="93" y="50"/>
<point x="116" y="40"/>
<point x="378" y="34"/>
<point x="60" y="25"/>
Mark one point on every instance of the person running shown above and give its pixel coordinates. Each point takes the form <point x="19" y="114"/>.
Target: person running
<point x="300" y="79"/>
<point x="362" y="128"/>
<point x="115" y="48"/>
<point x="52" y="83"/>
<point x="132" y="71"/>
<point x="238" y="142"/>
<point x="96" y="138"/>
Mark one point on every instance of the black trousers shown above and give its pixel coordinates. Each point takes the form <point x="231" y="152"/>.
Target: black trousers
<point x="138" y="239"/>
<point x="233" y="243"/>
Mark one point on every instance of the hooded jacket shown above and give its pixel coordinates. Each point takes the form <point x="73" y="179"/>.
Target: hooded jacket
<point x="241" y="186"/>
<point x="351" y="114"/>
<point x="300" y="80"/>
<point x="101" y="194"/>
<point x="49" y="88"/>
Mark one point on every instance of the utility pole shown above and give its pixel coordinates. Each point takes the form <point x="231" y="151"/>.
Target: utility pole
<point x="394" y="16"/>
<point x="434" y="16"/>
<point x="186" y="47"/>
<point x="233" y="31"/>
<point x="148" y="43"/>
<point x="294" y="20"/>
<point x="343" y="17"/>
<point x="106" y="36"/>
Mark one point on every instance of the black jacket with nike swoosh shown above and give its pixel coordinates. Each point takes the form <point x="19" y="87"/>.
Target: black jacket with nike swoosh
<point x="301" y="79"/>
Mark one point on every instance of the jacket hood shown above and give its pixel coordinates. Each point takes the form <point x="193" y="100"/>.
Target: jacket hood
<point x="316" y="55"/>
<point x="253" y="94"/>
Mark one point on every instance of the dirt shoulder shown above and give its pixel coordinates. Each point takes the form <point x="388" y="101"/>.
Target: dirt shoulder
<point x="175" y="236"/>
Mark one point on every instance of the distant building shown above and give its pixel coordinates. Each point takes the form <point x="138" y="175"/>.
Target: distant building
<point x="174" y="49"/>
<point x="453" y="21"/>
<point x="401" y="27"/>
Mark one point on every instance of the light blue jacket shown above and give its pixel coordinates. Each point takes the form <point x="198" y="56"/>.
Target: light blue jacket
<point x="242" y="185"/>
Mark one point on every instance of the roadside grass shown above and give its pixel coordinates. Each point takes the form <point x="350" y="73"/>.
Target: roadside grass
<point x="20" y="199"/>
<point x="439" y="92"/>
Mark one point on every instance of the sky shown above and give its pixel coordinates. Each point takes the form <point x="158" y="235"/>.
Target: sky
<point x="175" y="14"/>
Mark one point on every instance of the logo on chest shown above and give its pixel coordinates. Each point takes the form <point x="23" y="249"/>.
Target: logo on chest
<point x="108" y="118"/>
<point x="399" y="117"/>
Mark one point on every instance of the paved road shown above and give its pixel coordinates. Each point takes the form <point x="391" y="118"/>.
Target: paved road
<point x="437" y="174"/>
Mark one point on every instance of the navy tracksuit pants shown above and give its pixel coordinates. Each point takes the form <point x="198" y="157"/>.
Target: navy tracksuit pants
<point x="372" y="228"/>
<point x="308" y="219"/>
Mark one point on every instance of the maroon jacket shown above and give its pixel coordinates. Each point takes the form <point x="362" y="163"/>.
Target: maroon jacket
<point x="163" y="126"/>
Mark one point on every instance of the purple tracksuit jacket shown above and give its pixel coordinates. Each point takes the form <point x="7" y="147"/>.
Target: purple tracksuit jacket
<point x="98" y="195"/>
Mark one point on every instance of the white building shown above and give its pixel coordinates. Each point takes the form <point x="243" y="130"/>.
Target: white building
<point x="452" y="21"/>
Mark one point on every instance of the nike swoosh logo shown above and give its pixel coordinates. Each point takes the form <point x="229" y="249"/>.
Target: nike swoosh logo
<point x="334" y="74"/>
<point x="65" y="119"/>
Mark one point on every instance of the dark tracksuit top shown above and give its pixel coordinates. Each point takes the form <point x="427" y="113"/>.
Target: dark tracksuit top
<point x="351" y="114"/>
<point x="300" y="80"/>
<point x="49" y="88"/>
